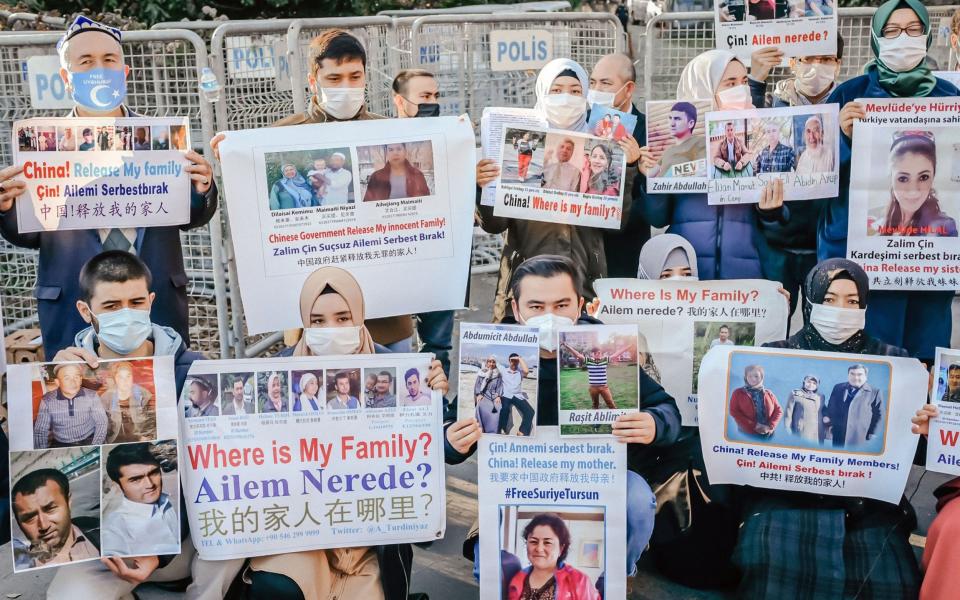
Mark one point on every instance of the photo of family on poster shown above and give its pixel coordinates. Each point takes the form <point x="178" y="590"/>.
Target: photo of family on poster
<point x="801" y="144"/>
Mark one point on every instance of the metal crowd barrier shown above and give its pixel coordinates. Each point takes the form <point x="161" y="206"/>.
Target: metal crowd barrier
<point x="165" y="69"/>
<point x="456" y="49"/>
<point x="482" y="9"/>
<point x="674" y="39"/>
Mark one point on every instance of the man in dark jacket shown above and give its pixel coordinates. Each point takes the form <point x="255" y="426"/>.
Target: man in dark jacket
<point x="549" y="285"/>
<point x="109" y="283"/>
<point x="615" y="74"/>
<point x="86" y="46"/>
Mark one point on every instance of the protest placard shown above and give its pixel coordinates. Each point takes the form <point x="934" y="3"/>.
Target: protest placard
<point x="904" y="188"/>
<point x="556" y="488"/>
<point x="367" y="196"/>
<point x="579" y="181"/>
<point x="675" y="136"/>
<point x="304" y="453"/>
<point x="819" y="422"/>
<point x="746" y="149"/>
<point x="795" y="27"/>
<point x="943" y="456"/>
<point x="610" y="124"/>
<point x="101" y="173"/>
<point x="598" y="377"/>
<point x="498" y="377"/>
<point x="99" y="444"/>
<point x="679" y="321"/>
<point x="492" y="123"/>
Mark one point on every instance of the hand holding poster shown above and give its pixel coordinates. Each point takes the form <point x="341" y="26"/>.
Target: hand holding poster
<point x="320" y="453"/>
<point x="675" y="134"/>
<point x="942" y="452"/>
<point x="102" y="173"/>
<point x="99" y="444"/>
<point x="580" y="180"/>
<point x="556" y="488"/>
<point x="679" y="321"/>
<point x="492" y="123"/>
<point x="904" y="184"/>
<point x="746" y="149"/>
<point x="796" y="27"/>
<point x="818" y="422"/>
<point x="369" y="196"/>
<point x="498" y="377"/>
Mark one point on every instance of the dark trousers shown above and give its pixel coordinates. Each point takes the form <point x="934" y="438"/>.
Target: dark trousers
<point x="790" y="269"/>
<point x="526" y="415"/>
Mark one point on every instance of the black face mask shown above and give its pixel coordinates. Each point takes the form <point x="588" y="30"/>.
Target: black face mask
<point x="428" y="109"/>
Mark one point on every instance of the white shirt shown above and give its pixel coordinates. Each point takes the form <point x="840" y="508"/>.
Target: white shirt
<point x="512" y="380"/>
<point x="339" y="189"/>
<point x="137" y="529"/>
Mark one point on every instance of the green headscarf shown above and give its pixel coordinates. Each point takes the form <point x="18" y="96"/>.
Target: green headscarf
<point x="917" y="82"/>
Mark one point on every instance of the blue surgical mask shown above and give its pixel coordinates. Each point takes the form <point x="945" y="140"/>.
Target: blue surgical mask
<point x="124" y="330"/>
<point x="99" y="90"/>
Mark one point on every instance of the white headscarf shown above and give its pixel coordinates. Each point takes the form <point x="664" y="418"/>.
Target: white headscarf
<point x="548" y="73"/>
<point x="701" y="76"/>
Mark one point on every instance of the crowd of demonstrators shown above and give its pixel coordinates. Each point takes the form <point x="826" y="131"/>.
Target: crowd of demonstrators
<point x="121" y="294"/>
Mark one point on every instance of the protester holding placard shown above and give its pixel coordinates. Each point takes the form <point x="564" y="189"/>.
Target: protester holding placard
<point x="561" y="86"/>
<point x="668" y="256"/>
<point x="92" y="60"/>
<point x="545" y="294"/>
<point x="613" y="82"/>
<point x="870" y="552"/>
<point x="112" y="283"/>
<point x="901" y="35"/>
<point x="727" y="240"/>
<point x="332" y="311"/>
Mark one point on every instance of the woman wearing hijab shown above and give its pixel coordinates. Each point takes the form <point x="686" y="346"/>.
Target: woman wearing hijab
<point x="727" y="240"/>
<point x="901" y="35"/>
<point x="856" y="547"/>
<point x="332" y="310"/>
<point x="307" y="399"/>
<point x="667" y="256"/>
<point x="487" y="393"/>
<point x="291" y="190"/>
<point x="561" y="89"/>
<point x="753" y="407"/>
<point x="804" y="413"/>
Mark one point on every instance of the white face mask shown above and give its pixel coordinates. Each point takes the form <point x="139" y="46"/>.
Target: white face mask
<point x="605" y="99"/>
<point x="563" y="110"/>
<point x="124" y="330"/>
<point x="814" y="79"/>
<point x="342" y="102"/>
<point x="735" y="98"/>
<point x="683" y="278"/>
<point x="835" y="324"/>
<point x="903" y="52"/>
<point x="325" y="341"/>
<point x="548" y="324"/>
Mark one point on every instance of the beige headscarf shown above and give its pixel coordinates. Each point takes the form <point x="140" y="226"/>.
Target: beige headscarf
<point x="343" y="283"/>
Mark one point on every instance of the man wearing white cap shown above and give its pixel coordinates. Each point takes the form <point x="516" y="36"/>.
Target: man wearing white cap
<point x="338" y="191"/>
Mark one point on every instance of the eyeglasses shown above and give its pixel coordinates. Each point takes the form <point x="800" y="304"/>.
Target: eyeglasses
<point x="820" y="60"/>
<point x="894" y="31"/>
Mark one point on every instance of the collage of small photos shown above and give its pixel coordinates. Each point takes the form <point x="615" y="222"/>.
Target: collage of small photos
<point x="101" y="478"/>
<point x="102" y="138"/>
<point x="303" y="391"/>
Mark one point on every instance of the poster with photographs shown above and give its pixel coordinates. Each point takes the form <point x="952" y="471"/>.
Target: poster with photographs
<point x="943" y="456"/>
<point x="819" y="422"/>
<point x="796" y="27"/>
<point x="905" y="194"/>
<point x="327" y="452"/>
<point x="377" y="198"/>
<point x="551" y="492"/>
<point x="598" y="377"/>
<point x="102" y="173"/>
<point x="746" y="149"/>
<point x="574" y="178"/>
<point x="498" y="377"/>
<point x="492" y="123"/>
<point x="611" y="124"/>
<point x="679" y="321"/>
<point x="100" y="445"/>
<point x="675" y="133"/>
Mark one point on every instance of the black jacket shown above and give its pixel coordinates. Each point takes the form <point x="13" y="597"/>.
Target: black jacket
<point x="653" y="400"/>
